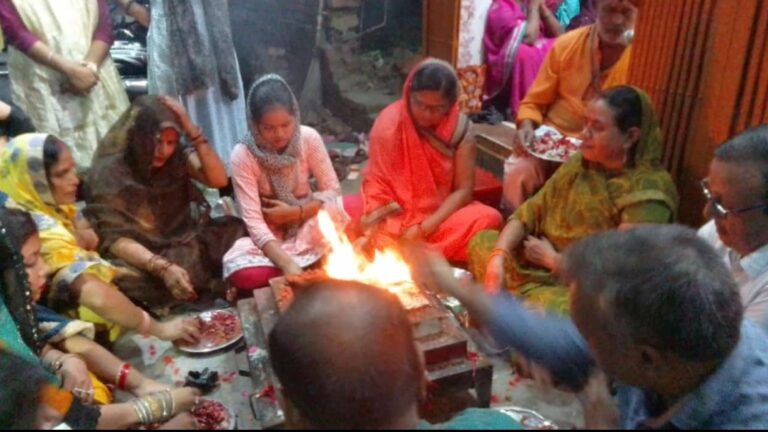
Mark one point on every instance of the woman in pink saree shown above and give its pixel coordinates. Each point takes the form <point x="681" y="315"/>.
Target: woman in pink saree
<point x="518" y="35"/>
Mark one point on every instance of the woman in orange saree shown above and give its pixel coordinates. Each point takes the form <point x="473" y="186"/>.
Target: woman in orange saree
<point x="420" y="177"/>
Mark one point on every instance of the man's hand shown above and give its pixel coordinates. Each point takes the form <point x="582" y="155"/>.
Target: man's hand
<point x="525" y="134"/>
<point x="600" y="411"/>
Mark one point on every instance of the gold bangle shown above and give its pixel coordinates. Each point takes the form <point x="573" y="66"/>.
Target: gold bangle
<point x="500" y="251"/>
<point x="155" y="404"/>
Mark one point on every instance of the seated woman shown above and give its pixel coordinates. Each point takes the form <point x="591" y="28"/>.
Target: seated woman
<point x="421" y="173"/>
<point x="37" y="172"/>
<point x="616" y="181"/>
<point x="518" y="34"/>
<point x="149" y="214"/>
<point x="22" y="336"/>
<point x="580" y="64"/>
<point x="62" y="335"/>
<point x="271" y="171"/>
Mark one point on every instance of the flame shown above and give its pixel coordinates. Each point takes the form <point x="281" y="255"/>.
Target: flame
<point x="387" y="270"/>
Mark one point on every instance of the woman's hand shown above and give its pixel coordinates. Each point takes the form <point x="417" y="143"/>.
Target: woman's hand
<point x="541" y="252"/>
<point x="177" y="280"/>
<point x="87" y="239"/>
<point x="292" y="269"/>
<point x="182" y="328"/>
<point x="278" y="213"/>
<point x="185" y="398"/>
<point x="414" y="233"/>
<point x="180" y="112"/>
<point x="75" y="378"/>
<point x="494" y="275"/>
<point x="80" y="78"/>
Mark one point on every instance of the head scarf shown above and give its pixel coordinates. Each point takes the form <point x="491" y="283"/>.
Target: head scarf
<point x="649" y="150"/>
<point x="281" y="168"/>
<point x="23" y="179"/>
<point x="128" y="197"/>
<point x="133" y="138"/>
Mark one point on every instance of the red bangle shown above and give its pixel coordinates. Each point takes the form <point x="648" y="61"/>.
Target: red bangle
<point x="122" y="376"/>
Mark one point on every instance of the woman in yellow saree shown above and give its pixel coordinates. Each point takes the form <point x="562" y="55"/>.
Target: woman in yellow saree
<point x="615" y="181"/>
<point x="37" y="172"/>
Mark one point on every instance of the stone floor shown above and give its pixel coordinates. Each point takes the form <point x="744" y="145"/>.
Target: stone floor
<point x="164" y="362"/>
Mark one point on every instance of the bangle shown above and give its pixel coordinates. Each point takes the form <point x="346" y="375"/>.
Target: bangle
<point x="198" y="136"/>
<point x="166" y="265"/>
<point x="146" y="322"/>
<point x="139" y="409"/>
<point x="122" y="376"/>
<point x="500" y="251"/>
<point x="151" y="263"/>
<point x="159" y="406"/>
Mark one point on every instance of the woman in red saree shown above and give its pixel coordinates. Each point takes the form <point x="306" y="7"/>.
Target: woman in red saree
<point x="421" y="173"/>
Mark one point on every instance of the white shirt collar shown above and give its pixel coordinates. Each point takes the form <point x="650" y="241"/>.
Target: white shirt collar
<point x="756" y="263"/>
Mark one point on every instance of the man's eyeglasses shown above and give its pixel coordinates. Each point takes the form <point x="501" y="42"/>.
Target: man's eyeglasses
<point x="718" y="210"/>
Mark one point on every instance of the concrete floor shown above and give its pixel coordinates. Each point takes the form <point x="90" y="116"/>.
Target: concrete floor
<point x="165" y="363"/>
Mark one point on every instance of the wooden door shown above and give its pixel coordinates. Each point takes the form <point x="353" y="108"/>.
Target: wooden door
<point x="441" y="29"/>
<point x="705" y="64"/>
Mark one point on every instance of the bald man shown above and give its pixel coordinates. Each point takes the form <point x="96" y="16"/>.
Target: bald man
<point x="345" y="356"/>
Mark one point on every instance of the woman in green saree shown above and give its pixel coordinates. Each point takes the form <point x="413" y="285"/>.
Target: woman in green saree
<point x="615" y="181"/>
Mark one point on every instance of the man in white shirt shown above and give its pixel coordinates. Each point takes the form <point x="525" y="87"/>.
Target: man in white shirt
<point x="737" y="201"/>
